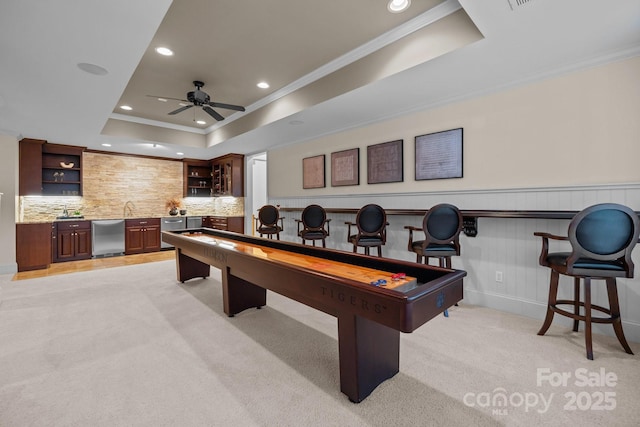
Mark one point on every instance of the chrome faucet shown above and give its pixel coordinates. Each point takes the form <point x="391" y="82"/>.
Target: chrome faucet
<point x="129" y="205"/>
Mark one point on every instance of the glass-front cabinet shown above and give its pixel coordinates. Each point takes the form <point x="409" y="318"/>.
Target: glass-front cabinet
<point x="222" y="176"/>
<point x="228" y="175"/>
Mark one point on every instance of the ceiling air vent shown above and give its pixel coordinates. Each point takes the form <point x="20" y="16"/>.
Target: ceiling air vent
<point x="514" y="4"/>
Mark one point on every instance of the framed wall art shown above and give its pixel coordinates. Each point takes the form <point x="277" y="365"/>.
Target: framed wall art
<point x="384" y="162"/>
<point x="313" y="172"/>
<point x="439" y="155"/>
<point x="345" y="169"/>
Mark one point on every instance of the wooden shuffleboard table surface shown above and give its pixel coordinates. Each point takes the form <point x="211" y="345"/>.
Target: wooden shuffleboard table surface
<point x="335" y="268"/>
<point x="339" y="283"/>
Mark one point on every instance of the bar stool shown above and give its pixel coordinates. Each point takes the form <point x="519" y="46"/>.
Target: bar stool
<point x="602" y="238"/>
<point x="267" y="222"/>
<point x="442" y="225"/>
<point x="371" y="222"/>
<point x="313" y="222"/>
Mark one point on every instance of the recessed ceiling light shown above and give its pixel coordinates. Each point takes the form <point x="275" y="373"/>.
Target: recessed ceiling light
<point x="92" y="69"/>
<point x="179" y="153"/>
<point x="106" y="145"/>
<point x="126" y="107"/>
<point x="164" y="51"/>
<point x="263" y="85"/>
<point x="201" y="122"/>
<point x="397" y="6"/>
<point x="162" y="100"/>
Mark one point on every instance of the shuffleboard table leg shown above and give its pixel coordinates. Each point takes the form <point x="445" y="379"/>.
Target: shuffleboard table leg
<point x="369" y="354"/>
<point x="239" y="295"/>
<point x="189" y="268"/>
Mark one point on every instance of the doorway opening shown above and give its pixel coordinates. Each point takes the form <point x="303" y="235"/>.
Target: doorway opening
<point x="256" y="189"/>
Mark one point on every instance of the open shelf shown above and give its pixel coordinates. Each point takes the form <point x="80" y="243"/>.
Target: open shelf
<point x="50" y="169"/>
<point x="197" y="178"/>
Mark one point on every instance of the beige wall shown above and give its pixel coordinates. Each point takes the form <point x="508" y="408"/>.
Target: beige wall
<point x="577" y="129"/>
<point x="562" y="143"/>
<point x="9" y="188"/>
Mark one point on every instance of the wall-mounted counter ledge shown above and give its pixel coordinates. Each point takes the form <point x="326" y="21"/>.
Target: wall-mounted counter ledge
<point x="469" y="213"/>
<point x="470" y="226"/>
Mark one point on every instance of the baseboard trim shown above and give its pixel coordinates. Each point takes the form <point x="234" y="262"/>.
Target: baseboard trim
<point x="536" y="310"/>
<point x="9" y="268"/>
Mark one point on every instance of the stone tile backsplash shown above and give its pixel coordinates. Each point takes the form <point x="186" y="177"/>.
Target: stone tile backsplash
<point x="110" y="181"/>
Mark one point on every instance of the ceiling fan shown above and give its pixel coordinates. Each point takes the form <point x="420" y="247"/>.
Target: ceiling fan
<point x="202" y="99"/>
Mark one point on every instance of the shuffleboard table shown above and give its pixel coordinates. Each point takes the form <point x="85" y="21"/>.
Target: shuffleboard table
<point x="370" y="316"/>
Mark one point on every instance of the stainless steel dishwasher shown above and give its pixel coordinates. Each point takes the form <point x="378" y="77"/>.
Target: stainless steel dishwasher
<point x="107" y="237"/>
<point x="171" y="223"/>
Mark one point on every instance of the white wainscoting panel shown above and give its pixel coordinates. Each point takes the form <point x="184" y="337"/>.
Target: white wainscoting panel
<point x="502" y="244"/>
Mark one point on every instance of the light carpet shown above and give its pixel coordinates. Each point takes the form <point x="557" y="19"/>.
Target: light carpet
<point x="130" y="346"/>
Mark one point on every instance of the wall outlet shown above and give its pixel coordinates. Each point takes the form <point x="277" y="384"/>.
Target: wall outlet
<point x="499" y="276"/>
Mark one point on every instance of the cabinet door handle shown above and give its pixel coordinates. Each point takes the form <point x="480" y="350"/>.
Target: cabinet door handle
<point x="143" y="222"/>
<point x="74" y="225"/>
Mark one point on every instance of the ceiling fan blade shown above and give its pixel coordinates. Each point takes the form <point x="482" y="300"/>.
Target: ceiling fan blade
<point x="180" y="110"/>
<point x="166" y="97"/>
<point x="227" y="106"/>
<point x="213" y="113"/>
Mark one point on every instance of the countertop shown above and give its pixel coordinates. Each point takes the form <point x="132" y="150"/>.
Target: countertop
<point x="84" y="218"/>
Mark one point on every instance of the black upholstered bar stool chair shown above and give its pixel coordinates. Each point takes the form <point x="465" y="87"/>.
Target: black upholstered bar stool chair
<point x="442" y="225"/>
<point x="314" y="225"/>
<point x="602" y="238"/>
<point x="267" y="222"/>
<point x="371" y="222"/>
